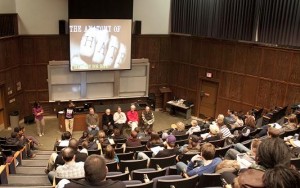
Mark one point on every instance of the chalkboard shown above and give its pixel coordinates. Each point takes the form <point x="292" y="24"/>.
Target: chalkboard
<point x="64" y="85"/>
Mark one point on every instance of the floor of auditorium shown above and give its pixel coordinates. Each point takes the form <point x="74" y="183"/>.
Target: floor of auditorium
<point x="162" y="121"/>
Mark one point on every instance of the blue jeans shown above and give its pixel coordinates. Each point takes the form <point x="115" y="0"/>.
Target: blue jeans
<point x="241" y="148"/>
<point x="181" y="167"/>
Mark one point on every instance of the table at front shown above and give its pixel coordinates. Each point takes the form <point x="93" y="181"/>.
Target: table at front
<point x="180" y="108"/>
<point x="79" y="118"/>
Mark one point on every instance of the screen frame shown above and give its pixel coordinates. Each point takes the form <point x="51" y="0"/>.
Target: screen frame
<point x="87" y="70"/>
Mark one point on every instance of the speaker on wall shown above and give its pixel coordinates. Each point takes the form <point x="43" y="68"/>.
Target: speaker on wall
<point x="137" y="27"/>
<point x="62" y="25"/>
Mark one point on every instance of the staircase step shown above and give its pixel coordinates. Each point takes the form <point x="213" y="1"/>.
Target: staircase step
<point x="31" y="170"/>
<point x="41" y="157"/>
<point x="30" y="162"/>
<point x="23" y="180"/>
<point x="44" y="152"/>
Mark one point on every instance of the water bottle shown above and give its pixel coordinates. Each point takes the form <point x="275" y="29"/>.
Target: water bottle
<point x="296" y="137"/>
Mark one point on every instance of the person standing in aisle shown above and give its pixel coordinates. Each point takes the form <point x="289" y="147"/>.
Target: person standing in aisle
<point x="38" y="112"/>
<point x="69" y="117"/>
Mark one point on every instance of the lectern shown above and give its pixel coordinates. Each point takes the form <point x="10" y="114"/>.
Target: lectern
<point x="165" y="91"/>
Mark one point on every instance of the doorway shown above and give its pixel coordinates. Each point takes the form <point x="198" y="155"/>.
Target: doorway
<point x="208" y="98"/>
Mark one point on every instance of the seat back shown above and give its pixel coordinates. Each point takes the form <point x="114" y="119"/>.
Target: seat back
<point x="178" y="183"/>
<point x="10" y="147"/>
<point x="218" y="143"/>
<point x="200" y="132"/>
<point x="220" y="152"/>
<point x="247" y="143"/>
<point x="296" y="163"/>
<point x="112" y="166"/>
<point x="181" y="142"/>
<point x="187" y="157"/>
<point x="59" y="148"/>
<point x="134" y="149"/>
<point x="162" y="162"/>
<point x="120" y="177"/>
<point x="96" y="152"/>
<point x="142" y="185"/>
<point x="125" y="156"/>
<point x="148" y="153"/>
<point x="181" y="137"/>
<point x="119" y="150"/>
<point x="151" y="173"/>
<point x="133" y="165"/>
<point x="210" y="180"/>
<point x="120" y="140"/>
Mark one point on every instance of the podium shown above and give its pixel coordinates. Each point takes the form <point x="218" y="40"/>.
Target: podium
<point x="165" y="91"/>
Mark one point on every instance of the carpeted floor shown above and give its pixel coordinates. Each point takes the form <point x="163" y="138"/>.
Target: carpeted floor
<point x="162" y="121"/>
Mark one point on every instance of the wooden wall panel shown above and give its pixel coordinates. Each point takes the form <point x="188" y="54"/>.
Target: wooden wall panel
<point x="27" y="50"/>
<point x="147" y="47"/>
<point x="181" y="49"/>
<point x="277" y="94"/>
<point x="268" y="60"/>
<point x="192" y="77"/>
<point x="236" y="87"/>
<point x="282" y="65"/>
<point x="249" y="90"/>
<point x="240" y="60"/>
<point x="165" y="46"/>
<point x="253" y="60"/>
<point x="41" y="48"/>
<point x="183" y="74"/>
<point x="294" y="69"/>
<point x="41" y="77"/>
<point x="228" y="57"/>
<point x="196" y="49"/>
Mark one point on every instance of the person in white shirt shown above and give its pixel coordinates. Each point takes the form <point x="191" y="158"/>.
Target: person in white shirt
<point x="195" y="127"/>
<point x="120" y="119"/>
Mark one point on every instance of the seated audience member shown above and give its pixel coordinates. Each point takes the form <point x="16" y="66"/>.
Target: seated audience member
<point x="102" y="139"/>
<point x="192" y="147"/>
<point x="92" y="121"/>
<point x="273" y="167"/>
<point x="84" y="137"/>
<point x="274" y="133"/>
<point x="110" y="155"/>
<point x="71" y="169"/>
<point x="168" y="151"/>
<point x="195" y="127"/>
<point x="206" y="160"/>
<point x="117" y="134"/>
<point x="238" y="121"/>
<point x="92" y="145"/>
<point x="95" y="176"/>
<point x="32" y="138"/>
<point x="250" y="126"/>
<point x="231" y="154"/>
<point x="214" y="133"/>
<point x="84" y="146"/>
<point x="133" y="140"/>
<point x="148" y="118"/>
<point x="120" y="119"/>
<point x="177" y="129"/>
<point x="107" y="121"/>
<point x="223" y="128"/>
<point x="56" y="159"/>
<point x="14" y="139"/>
<point x="65" y="138"/>
<point x="291" y="124"/>
<point x="132" y="117"/>
<point x="229" y="119"/>
<point x="154" y="140"/>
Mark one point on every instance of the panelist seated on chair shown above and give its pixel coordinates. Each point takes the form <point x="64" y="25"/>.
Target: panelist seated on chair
<point x="92" y="121"/>
<point x="148" y="118"/>
<point x="95" y="176"/>
<point x="206" y="162"/>
<point x="119" y="119"/>
<point x="132" y="117"/>
<point x="107" y="121"/>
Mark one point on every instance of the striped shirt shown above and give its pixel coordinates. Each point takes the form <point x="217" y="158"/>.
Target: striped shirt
<point x="225" y="131"/>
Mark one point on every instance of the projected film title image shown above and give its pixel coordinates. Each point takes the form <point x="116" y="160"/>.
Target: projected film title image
<point x="100" y="44"/>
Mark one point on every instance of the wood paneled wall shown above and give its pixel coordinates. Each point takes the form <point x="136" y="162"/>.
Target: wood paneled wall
<point x="249" y="75"/>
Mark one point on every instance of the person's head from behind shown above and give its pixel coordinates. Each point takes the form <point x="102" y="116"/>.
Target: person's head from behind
<point x="293" y="119"/>
<point x="91" y="138"/>
<point x="250" y="121"/>
<point x="194" y="139"/>
<point x="171" y="141"/>
<point x="110" y="152"/>
<point x="68" y="154"/>
<point x="154" y="137"/>
<point x="194" y="123"/>
<point x="214" y="129"/>
<point x="273" y="132"/>
<point x="137" y="129"/>
<point x="133" y="134"/>
<point x="73" y="143"/>
<point x="66" y="136"/>
<point x="107" y="111"/>
<point x="95" y="169"/>
<point x="180" y="126"/>
<point x="274" y="155"/>
<point x="254" y="145"/>
<point x="91" y="110"/>
<point x="85" y="134"/>
<point x="117" y="132"/>
<point x="85" y="144"/>
<point x="207" y="151"/>
<point x="17" y="130"/>
<point x="14" y="135"/>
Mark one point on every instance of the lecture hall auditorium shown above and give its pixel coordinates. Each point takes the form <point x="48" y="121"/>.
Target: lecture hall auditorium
<point x="150" y="93"/>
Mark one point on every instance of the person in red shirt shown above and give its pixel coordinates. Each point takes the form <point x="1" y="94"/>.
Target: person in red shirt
<point x="132" y="117"/>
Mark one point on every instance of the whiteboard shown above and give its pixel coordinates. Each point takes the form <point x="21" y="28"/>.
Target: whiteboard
<point x="64" y="85"/>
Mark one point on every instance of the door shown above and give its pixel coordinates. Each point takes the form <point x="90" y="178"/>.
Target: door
<point x="208" y="98"/>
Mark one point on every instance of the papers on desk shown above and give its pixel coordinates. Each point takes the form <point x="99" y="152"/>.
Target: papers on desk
<point x="296" y="143"/>
<point x="156" y="149"/>
<point x="244" y="160"/>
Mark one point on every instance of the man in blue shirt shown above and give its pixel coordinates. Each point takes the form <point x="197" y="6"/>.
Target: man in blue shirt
<point x="206" y="161"/>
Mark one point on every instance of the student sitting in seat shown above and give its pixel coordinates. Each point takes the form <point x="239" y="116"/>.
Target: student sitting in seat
<point x="20" y="142"/>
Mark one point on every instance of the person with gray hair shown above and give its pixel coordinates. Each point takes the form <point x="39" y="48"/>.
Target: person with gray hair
<point x="95" y="176"/>
<point x="133" y="117"/>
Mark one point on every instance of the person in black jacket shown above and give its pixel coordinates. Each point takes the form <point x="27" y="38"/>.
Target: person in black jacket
<point x="95" y="176"/>
<point x="20" y="142"/>
<point x="108" y="121"/>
